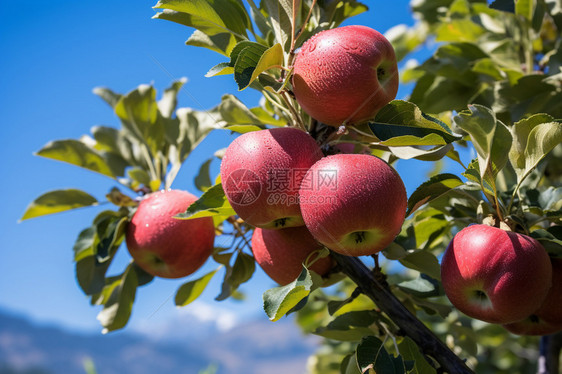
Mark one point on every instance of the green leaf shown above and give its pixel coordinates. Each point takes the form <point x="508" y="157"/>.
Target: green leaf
<point x="266" y="117"/>
<point x="491" y="139"/>
<point x="421" y="287"/>
<point x="472" y="173"/>
<point x="458" y="30"/>
<point x="349" y="365"/>
<point x="405" y="39"/>
<point x="433" y="188"/>
<point x="424" y="231"/>
<point x="432" y="308"/>
<point x="167" y="104"/>
<point x="411" y="352"/>
<point x="242" y="271"/>
<point x="206" y="35"/>
<point x="280" y="300"/>
<point x="453" y="61"/>
<point x="551" y="239"/>
<point x="421" y="153"/>
<point x="139" y="175"/>
<point x="402" y="123"/>
<point x="271" y="58"/>
<point x="438" y="94"/>
<point x="247" y="62"/>
<point x="203" y="178"/>
<point x="242" y="129"/>
<point x="534" y="138"/>
<point x="488" y="67"/>
<point x="119" y="303"/>
<point x="280" y="17"/>
<point x="371" y="355"/>
<point x="193" y="127"/>
<point x="58" y="201"/>
<point x="503" y="5"/>
<point x="220" y="43"/>
<point x="107" y="95"/>
<point x="138" y="111"/>
<point x="114" y="147"/>
<point x="222" y="68"/>
<point x="83" y="244"/>
<point x="350" y="326"/>
<point x="90" y="274"/>
<point x="525" y="8"/>
<point x="212" y="16"/>
<point x="212" y="203"/>
<point x="235" y="113"/>
<point x="190" y="291"/>
<point x="76" y="153"/>
<point x="424" y="262"/>
<point x="110" y="231"/>
<point x="548" y="200"/>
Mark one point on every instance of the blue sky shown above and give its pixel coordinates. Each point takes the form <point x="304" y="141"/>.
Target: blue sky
<point x="53" y="54"/>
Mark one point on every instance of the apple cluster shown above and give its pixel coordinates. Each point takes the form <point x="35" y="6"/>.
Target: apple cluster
<point x="279" y="181"/>
<point x="299" y="201"/>
<point x="504" y="277"/>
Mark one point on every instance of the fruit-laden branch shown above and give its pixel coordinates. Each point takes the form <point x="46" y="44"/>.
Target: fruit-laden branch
<point x="406" y="321"/>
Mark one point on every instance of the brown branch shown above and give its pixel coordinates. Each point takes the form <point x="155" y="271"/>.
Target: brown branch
<point x="549" y="360"/>
<point x="428" y="342"/>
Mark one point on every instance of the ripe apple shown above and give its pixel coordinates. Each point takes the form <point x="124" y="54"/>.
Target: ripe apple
<point x="281" y="253"/>
<point x="495" y="275"/>
<point x="261" y="172"/>
<point x="163" y="245"/>
<point x="345" y="75"/>
<point x="354" y="204"/>
<point x="547" y="319"/>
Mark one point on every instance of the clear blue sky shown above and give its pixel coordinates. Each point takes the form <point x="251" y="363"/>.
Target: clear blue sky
<point x="53" y="54"/>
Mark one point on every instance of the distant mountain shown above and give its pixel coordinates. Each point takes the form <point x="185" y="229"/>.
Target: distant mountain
<point x="252" y="348"/>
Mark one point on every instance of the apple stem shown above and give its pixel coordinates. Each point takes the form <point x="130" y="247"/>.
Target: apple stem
<point x="380" y="74"/>
<point x="296" y="118"/>
<point x="240" y="230"/>
<point x="388" y="303"/>
<point x="376" y="258"/>
<point x="328" y="137"/>
<point x="294" y="37"/>
<point x="359" y="236"/>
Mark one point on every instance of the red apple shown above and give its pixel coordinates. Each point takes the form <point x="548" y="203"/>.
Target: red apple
<point x="281" y="253"/>
<point x="495" y="275"/>
<point x="163" y="245"/>
<point x="345" y="75"/>
<point x="547" y="319"/>
<point x="261" y="172"/>
<point x="353" y="204"/>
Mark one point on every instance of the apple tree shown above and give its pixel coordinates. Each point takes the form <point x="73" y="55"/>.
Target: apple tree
<point x="488" y="99"/>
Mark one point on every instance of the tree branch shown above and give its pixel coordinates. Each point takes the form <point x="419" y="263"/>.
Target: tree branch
<point x="429" y="343"/>
<point x="550" y="348"/>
